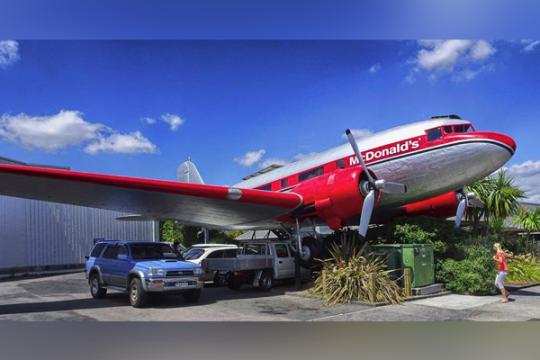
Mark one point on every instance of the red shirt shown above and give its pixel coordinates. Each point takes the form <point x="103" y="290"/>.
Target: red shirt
<point x="502" y="265"/>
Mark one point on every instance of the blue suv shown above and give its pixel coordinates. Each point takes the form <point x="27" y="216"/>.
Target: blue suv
<point x="141" y="268"/>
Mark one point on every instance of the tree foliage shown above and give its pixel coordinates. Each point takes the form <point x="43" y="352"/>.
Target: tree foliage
<point x="171" y="231"/>
<point x="500" y="197"/>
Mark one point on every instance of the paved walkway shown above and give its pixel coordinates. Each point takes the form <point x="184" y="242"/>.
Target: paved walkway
<point x="66" y="297"/>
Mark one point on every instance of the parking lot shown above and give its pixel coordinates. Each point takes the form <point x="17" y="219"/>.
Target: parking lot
<point x="66" y="297"/>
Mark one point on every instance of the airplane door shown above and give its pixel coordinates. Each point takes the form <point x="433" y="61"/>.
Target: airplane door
<point x="283" y="262"/>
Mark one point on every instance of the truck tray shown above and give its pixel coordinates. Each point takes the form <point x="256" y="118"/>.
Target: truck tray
<point x="239" y="263"/>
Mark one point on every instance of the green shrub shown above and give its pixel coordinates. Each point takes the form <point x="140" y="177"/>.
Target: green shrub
<point x="523" y="269"/>
<point x="474" y="274"/>
<point x="349" y="276"/>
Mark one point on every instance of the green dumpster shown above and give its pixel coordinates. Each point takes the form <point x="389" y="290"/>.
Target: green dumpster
<point x="417" y="257"/>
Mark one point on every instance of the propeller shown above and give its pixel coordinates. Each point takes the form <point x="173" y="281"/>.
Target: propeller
<point x="466" y="200"/>
<point x="370" y="188"/>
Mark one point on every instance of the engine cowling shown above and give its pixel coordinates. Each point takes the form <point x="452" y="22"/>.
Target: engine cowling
<point x="334" y="197"/>
<point x="442" y="206"/>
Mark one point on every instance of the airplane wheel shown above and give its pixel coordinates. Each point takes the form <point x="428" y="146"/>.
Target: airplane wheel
<point x="310" y="251"/>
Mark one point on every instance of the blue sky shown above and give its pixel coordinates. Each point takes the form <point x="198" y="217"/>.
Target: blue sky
<point x="139" y="108"/>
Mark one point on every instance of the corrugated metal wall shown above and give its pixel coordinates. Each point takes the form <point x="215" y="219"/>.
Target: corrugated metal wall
<point x="37" y="233"/>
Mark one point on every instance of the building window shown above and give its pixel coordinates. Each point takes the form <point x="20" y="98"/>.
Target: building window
<point x="311" y="174"/>
<point x="284" y="182"/>
<point x="434" y="134"/>
<point x="340" y="164"/>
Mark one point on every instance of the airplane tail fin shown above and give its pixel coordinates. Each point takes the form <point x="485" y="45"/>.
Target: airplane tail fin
<point x="187" y="172"/>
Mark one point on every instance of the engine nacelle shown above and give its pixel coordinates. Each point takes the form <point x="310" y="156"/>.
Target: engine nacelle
<point x="442" y="206"/>
<point x="334" y="197"/>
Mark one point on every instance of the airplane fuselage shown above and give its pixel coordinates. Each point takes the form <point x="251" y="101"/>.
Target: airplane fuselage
<point x="430" y="157"/>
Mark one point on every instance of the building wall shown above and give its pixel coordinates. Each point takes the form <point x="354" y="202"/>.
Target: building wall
<point x="36" y="233"/>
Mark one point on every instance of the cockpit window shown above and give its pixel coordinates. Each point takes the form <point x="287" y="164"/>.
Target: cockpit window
<point x="434" y="134"/>
<point x="462" y="128"/>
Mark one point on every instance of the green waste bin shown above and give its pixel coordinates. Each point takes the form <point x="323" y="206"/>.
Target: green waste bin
<point x="417" y="257"/>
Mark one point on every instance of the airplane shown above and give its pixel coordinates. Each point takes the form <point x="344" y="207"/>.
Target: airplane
<point x="415" y="169"/>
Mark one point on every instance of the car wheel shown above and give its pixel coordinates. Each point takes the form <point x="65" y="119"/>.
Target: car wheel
<point x="234" y="283"/>
<point x="137" y="296"/>
<point x="220" y="279"/>
<point x="192" y="296"/>
<point x="96" y="290"/>
<point x="266" y="281"/>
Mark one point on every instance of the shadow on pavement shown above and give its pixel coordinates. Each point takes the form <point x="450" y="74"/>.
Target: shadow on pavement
<point x="210" y="295"/>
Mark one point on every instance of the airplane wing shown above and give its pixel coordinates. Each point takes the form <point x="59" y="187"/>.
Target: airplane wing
<point x="218" y="207"/>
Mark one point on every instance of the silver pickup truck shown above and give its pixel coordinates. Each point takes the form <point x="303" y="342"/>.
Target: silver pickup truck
<point x="257" y="262"/>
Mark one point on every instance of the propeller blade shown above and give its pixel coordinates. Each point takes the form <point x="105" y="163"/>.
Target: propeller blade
<point x="367" y="209"/>
<point x="460" y="211"/>
<point x="390" y="187"/>
<point x="352" y="141"/>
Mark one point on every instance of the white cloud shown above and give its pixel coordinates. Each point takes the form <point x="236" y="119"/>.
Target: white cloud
<point x="9" y="53"/>
<point x="174" y="121"/>
<point x="148" y="120"/>
<point x="527" y="176"/>
<point x="359" y="134"/>
<point x="250" y="158"/>
<point x="375" y="68"/>
<point x="133" y="143"/>
<point x="529" y="45"/>
<point x="67" y="128"/>
<point x="439" y="57"/>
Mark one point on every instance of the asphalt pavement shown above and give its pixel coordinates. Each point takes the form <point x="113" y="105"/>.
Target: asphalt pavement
<point x="66" y="297"/>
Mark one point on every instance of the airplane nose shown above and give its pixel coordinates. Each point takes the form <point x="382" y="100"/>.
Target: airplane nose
<point x="503" y="139"/>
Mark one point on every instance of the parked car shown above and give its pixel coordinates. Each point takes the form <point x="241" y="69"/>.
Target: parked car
<point x="141" y="268"/>
<point x="197" y="253"/>
<point x="259" y="263"/>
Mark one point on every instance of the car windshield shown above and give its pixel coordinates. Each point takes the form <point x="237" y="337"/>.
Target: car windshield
<point x="153" y="251"/>
<point x="193" y="254"/>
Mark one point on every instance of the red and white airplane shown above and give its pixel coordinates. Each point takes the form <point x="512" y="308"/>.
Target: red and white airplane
<point x="415" y="169"/>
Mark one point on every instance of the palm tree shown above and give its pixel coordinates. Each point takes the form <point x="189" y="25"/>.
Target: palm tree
<point x="528" y="220"/>
<point x="500" y="197"/>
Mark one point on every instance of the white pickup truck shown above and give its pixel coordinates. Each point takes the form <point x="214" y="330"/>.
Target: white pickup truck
<point x="258" y="263"/>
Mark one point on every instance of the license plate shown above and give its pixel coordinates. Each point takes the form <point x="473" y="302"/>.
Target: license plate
<point x="181" y="284"/>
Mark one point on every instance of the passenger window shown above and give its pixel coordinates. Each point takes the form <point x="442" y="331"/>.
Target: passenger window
<point x="447" y="129"/>
<point x="434" y="134"/>
<point x="122" y="250"/>
<point x="97" y="250"/>
<point x="340" y="164"/>
<point x="284" y="182"/>
<point x="311" y="174"/>
<point x="218" y="254"/>
<point x="265" y="187"/>
<point x="255" y="249"/>
<point x="229" y="253"/>
<point x="281" y="250"/>
<point x="111" y="252"/>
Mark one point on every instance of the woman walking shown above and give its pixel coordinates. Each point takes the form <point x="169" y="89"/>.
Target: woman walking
<point x="502" y="268"/>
